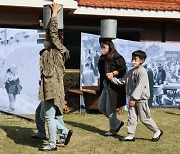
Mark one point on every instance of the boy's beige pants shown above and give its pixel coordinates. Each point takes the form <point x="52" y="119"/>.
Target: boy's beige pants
<point x="142" y="110"/>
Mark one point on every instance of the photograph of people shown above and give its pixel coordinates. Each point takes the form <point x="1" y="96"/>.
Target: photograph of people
<point x="12" y="85"/>
<point x="88" y="78"/>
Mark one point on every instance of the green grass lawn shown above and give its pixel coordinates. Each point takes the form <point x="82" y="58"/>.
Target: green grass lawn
<point x="15" y="135"/>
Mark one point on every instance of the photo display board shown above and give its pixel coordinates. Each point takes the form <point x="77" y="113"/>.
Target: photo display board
<point x="162" y="64"/>
<point x="19" y="70"/>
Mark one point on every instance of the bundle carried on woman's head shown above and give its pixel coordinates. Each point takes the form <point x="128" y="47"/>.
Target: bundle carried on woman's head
<point x="104" y="40"/>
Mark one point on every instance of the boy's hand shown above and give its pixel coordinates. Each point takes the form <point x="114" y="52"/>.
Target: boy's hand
<point x="55" y="9"/>
<point x="109" y="75"/>
<point x="132" y="103"/>
<point x="121" y="109"/>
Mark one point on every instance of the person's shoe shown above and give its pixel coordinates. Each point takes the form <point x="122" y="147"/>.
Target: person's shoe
<point x="67" y="140"/>
<point x="37" y="137"/>
<point x="119" y="127"/>
<point x="109" y="134"/>
<point x="61" y="137"/>
<point x="157" y="136"/>
<point x="48" y="148"/>
<point x="12" y="109"/>
<point x="60" y="141"/>
<point x="128" y="138"/>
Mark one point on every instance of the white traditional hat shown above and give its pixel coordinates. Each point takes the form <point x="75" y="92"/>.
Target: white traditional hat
<point x="13" y="68"/>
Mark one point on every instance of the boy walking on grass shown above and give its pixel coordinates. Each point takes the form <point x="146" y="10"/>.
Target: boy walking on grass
<point x="137" y="88"/>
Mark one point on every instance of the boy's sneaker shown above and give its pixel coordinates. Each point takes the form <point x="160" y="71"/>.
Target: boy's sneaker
<point x="48" y="148"/>
<point x="129" y="138"/>
<point x="157" y="136"/>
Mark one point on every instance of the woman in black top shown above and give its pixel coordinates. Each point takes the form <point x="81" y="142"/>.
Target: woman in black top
<point x="111" y="64"/>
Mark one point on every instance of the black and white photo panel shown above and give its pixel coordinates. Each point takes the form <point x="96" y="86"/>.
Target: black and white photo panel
<point x="19" y="70"/>
<point x="162" y="64"/>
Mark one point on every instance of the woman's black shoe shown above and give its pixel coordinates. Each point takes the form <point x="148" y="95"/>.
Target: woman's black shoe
<point x="119" y="127"/>
<point x="37" y="137"/>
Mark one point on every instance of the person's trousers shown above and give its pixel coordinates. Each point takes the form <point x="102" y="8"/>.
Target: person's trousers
<point x="61" y="126"/>
<point x="106" y="109"/>
<point x="40" y="124"/>
<point x="12" y="99"/>
<point x="49" y="111"/>
<point x="142" y="110"/>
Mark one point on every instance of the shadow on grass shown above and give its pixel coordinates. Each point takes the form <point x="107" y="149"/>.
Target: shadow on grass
<point x="89" y="128"/>
<point x="97" y="130"/>
<point x="172" y="113"/>
<point x="136" y="138"/>
<point x="85" y="127"/>
<point x="143" y="139"/>
<point x="117" y="136"/>
<point x="22" y="135"/>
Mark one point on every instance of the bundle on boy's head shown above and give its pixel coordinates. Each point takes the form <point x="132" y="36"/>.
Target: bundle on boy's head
<point x="139" y="53"/>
